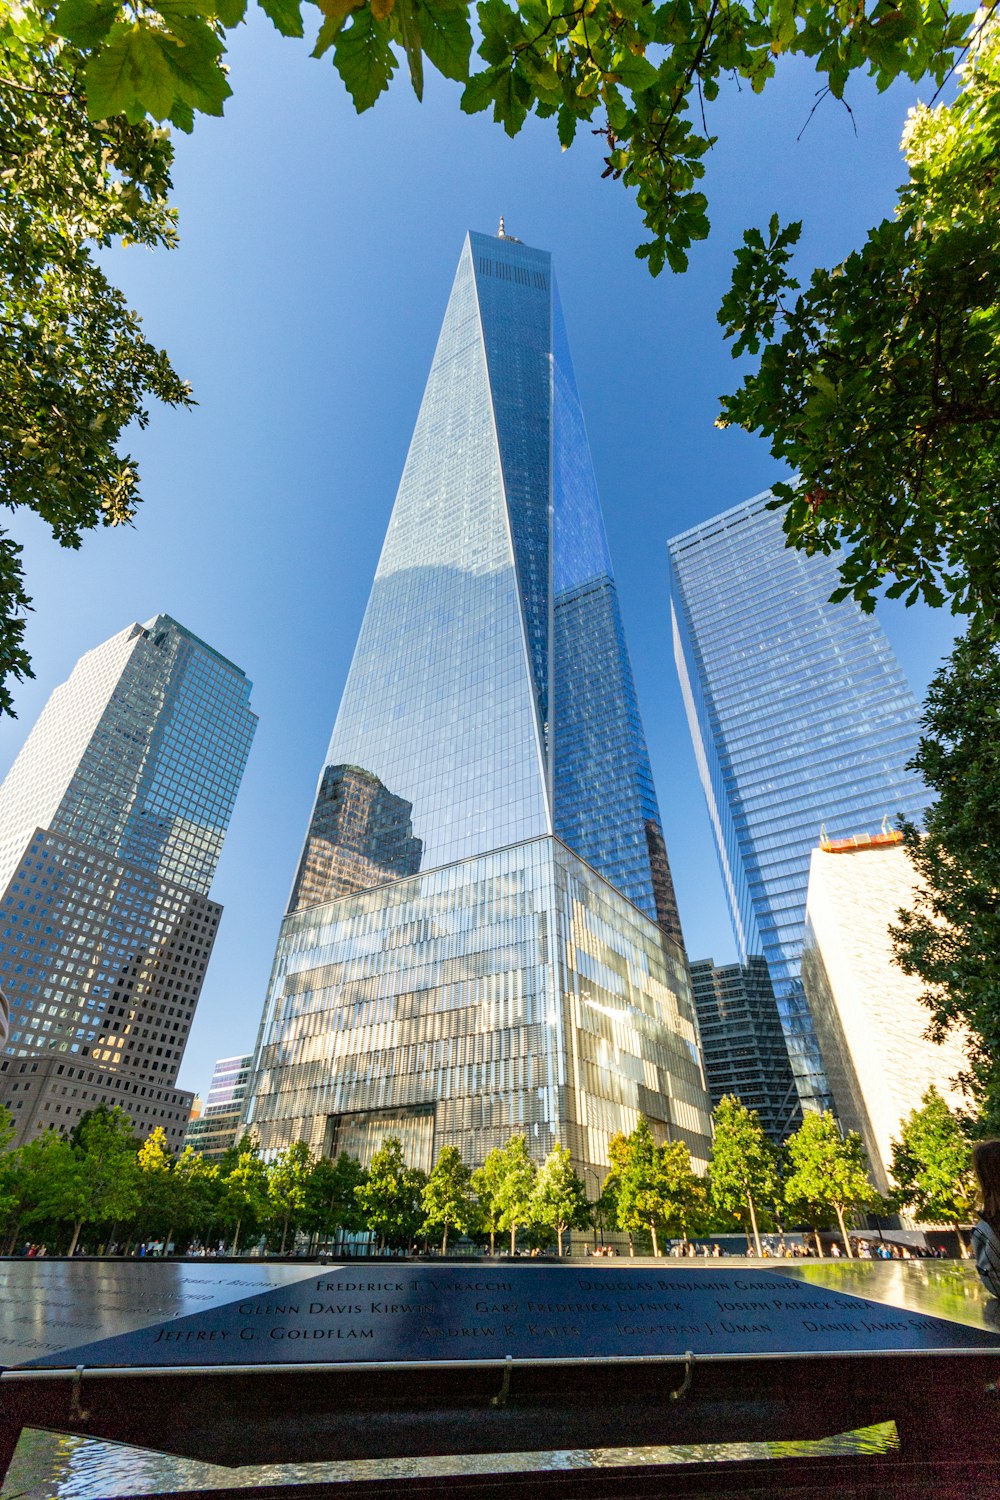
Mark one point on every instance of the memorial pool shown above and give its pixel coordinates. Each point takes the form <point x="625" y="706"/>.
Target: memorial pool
<point x="628" y="1326"/>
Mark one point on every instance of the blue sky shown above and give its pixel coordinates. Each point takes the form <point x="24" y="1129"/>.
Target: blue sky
<point x="317" y="251"/>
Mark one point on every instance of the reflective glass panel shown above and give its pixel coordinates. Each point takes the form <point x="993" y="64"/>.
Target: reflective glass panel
<point x="801" y="720"/>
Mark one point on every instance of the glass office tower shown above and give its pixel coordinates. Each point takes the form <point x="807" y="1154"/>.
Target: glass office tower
<point x="742" y="1043"/>
<point x="111" y="825"/>
<point x="215" y="1130"/>
<point x="482" y="936"/>
<point x="801" y="718"/>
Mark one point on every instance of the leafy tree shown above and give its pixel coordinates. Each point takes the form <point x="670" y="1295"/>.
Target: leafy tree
<point x="743" y="1174"/>
<point x="619" y="1153"/>
<point x="82" y="80"/>
<point x="157" y="1187"/>
<point x="43" y="1180"/>
<point x="243" y="1196"/>
<point x="903" y="338"/>
<point x="287" y="1184"/>
<point x="559" y="1200"/>
<point x="950" y="938"/>
<point x="604" y="1208"/>
<point x="683" y="1197"/>
<point x="107" y="1183"/>
<point x="391" y="1196"/>
<point x="486" y="1183"/>
<point x="828" y="1173"/>
<point x="515" y="1186"/>
<point x="8" y="1169"/>
<point x="632" y="70"/>
<point x="75" y="370"/>
<point x="932" y="1165"/>
<point x="635" y="1166"/>
<point x="655" y="1188"/>
<point x="449" y="1201"/>
<point x="196" y="1193"/>
<point x="331" y="1196"/>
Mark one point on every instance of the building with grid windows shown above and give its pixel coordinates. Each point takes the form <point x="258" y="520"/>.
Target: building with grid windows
<point x="742" y="1043"/>
<point x="482" y="936"/>
<point x="800" y="717"/>
<point x="216" y="1127"/>
<point x="111" y="825"/>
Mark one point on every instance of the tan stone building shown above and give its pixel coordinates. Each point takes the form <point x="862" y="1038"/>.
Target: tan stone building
<point x="869" y="1019"/>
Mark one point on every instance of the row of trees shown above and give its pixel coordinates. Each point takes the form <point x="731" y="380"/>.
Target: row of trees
<point x="820" y="1177"/>
<point x="101" y="1188"/>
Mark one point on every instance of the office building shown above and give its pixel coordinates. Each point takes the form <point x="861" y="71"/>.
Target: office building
<point x="742" y="1043"/>
<point x="111" y="824"/>
<point x="217" y="1125"/>
<point x="800" y="717"/>
<point x="482" y="936"/>
<point x="869" y="1018"/>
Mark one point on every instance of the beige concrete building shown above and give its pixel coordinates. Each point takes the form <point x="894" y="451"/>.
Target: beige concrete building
<point x="869" y="1019"/>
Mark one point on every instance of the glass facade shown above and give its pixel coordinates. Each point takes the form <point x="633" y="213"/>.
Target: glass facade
<point x="486" y="801"/>
<point x="111" y="824"/>
<point x="514" y="991"/>
<point x="215" y="1129"/>
<point x="801" y="719"/>
<point x="138" y="754"/>
<point x="742" y="1043"/>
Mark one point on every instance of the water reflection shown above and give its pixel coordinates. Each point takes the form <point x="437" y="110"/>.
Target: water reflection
<point x="48" y="1466"/>
<point x="940" y="1289"/>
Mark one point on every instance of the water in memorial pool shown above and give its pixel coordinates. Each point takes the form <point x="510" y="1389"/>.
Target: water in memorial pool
<point x="47" y="1466"/>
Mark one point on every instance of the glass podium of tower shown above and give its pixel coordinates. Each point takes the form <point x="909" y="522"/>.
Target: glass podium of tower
<point x="482" y="936"/>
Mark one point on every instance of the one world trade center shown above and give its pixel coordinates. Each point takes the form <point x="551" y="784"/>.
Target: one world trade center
<point x="482" y="937"/>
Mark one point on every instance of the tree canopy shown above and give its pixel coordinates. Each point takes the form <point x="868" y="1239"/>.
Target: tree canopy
<point x="634" y="72"/>
<point x="75" y="369"/>
<point x="827" y="1174"/>
<point x="560" y="1198"/>
<point x="901" y="339"/>
<point x="932" y="1165"/>
<point x="448" y="1200"/>
<point x="391" y="1195"/>
<point x="950" y="937"/>
<point x="654" y="1187"/>
<point x="513" y="1182"/>
<point x="743" y="1171"/>
<point x="877" y="383"/>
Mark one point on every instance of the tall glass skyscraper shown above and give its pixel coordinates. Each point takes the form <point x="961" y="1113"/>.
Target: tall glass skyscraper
<point x="111" y="825"/>
<point x="801" y="718"/>
<point x="482" y="935"/>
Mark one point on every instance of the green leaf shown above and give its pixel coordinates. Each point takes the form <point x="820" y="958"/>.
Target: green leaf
<point x="510" y="102"/>
<point x="364" y="59"/>
<point x="231" y="12"/>
<point x="197" y="74"/>
<point x="286" y="15"/>
<point x="479" y="92"/>
<point x="173" y="9"/>
<point x="85" y="23"/>
<point x="182" y="116"/>
<point x="676" y="257"/>
<point x="190" y="30"/>
<point x="566" y="126"/>
<point x="130" y="72"/>
<point x="408" y="21"/>
<point x="636" y="73"/>
<point x="447" y="37"/>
